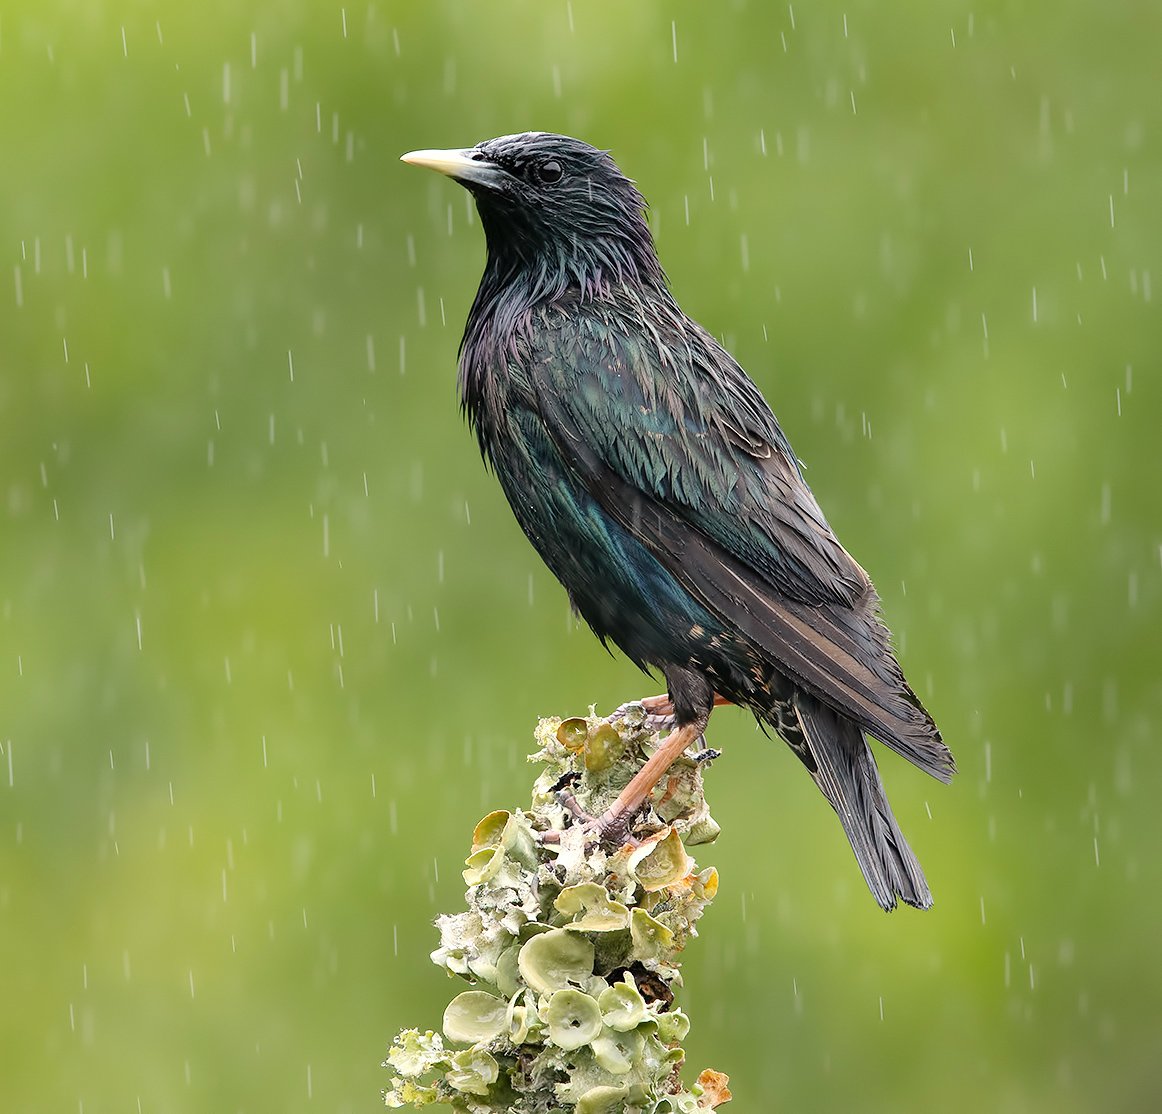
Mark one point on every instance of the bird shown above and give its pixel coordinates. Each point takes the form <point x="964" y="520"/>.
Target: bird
<point x="653" y="479"/>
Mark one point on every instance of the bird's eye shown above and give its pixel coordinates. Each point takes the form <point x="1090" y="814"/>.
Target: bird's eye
<point x="550" y="172"/>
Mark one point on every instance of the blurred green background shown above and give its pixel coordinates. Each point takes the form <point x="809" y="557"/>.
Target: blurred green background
<point x="270" y="641"/>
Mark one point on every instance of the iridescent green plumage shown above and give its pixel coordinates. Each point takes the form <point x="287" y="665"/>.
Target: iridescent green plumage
<point x="656" y="484"/>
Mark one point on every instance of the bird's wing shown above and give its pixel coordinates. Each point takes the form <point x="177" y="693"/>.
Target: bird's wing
<point x="672" y="414"/>
<point x="674" y="441"/>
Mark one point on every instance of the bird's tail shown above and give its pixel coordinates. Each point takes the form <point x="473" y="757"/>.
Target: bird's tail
<point x="837" y="754"/>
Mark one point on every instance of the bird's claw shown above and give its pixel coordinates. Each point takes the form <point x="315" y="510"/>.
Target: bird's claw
<point x="613" y="831"/>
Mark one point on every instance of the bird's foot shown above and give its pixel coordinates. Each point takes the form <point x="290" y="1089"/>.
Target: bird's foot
<point x="610" y="828"/>
<point x="654" y="713"/>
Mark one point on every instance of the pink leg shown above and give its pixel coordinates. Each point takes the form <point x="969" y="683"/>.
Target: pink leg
<point x="615" y="819"/>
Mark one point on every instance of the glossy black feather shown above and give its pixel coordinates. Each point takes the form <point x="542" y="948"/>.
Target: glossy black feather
<point x="653" y="479"/>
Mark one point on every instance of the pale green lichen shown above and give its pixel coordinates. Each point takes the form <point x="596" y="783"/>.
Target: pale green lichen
<point x="573" y="947"/>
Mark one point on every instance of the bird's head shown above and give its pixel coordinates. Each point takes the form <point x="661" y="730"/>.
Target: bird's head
<point x="551" y="202"/>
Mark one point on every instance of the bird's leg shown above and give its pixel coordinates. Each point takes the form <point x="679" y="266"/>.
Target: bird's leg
<point x="613" y="823"/>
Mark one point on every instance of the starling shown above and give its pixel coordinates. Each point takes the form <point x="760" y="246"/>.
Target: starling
<point x="652" y="478"/>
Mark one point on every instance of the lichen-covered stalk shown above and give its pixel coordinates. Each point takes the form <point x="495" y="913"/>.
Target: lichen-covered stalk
<point x="572" y="949"/>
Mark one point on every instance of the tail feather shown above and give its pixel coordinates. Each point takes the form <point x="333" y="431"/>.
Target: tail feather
<point x="839" y="759"/>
